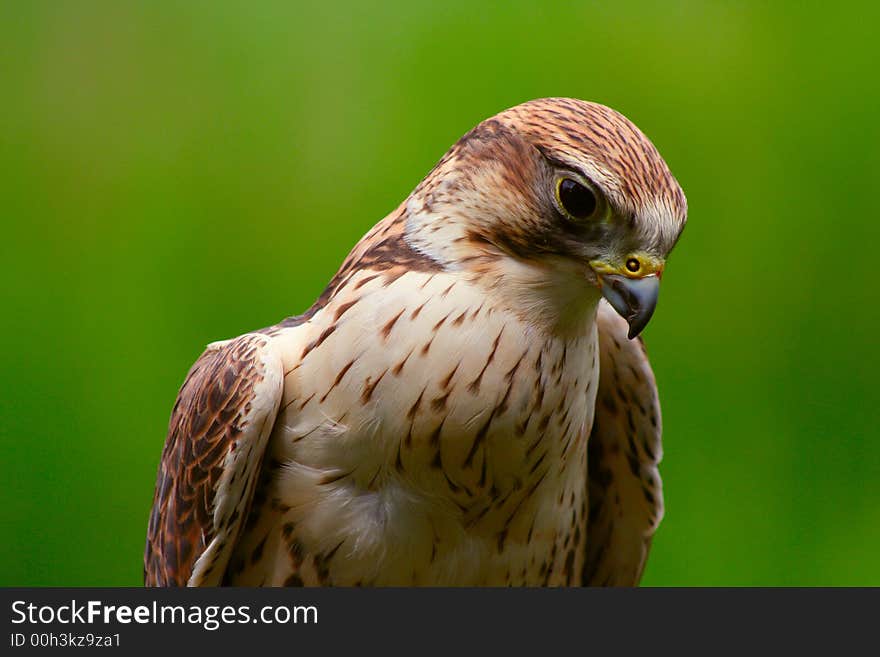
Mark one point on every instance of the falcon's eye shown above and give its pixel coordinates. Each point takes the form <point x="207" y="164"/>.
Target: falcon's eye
<point x="576" y="200"/>
<point x="633" y="265"/>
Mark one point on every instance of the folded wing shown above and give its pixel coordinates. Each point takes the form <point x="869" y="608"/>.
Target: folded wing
<point x="211" y="461"/>
<point x="624" y="450"/>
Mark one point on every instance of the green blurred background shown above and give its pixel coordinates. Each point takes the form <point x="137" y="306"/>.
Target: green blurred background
<point x="176" y="173"/>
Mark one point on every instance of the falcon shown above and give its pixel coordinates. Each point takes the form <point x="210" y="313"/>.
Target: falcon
<point x="466" y="403"/>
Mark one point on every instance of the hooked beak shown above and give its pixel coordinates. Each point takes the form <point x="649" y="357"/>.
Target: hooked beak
<point x="633" y="298"/>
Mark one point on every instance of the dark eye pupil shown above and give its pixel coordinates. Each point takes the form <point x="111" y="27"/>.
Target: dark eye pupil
<point x="578" y="201"/>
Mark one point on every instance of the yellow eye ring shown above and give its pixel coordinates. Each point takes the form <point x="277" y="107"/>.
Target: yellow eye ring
<point x="577" y="201"/>
<point x="633" y="265"/>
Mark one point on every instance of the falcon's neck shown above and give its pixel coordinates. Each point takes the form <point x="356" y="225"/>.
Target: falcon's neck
<point x="548" y="295"/>
<point x="551" y="293"/>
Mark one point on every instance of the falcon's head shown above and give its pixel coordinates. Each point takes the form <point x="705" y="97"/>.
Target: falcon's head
<point x="568" y="189"/>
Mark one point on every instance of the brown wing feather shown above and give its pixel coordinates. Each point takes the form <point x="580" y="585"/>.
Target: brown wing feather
<point x="625" y="492"/>
<point x="216" y="438"/>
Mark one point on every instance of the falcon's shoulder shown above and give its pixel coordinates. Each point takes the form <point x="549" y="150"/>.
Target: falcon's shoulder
<point x="217" y="435"/>
<point x="624" y="450"/>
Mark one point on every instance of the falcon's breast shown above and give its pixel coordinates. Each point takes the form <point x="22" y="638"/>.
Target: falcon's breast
<point x="424" y="436"/>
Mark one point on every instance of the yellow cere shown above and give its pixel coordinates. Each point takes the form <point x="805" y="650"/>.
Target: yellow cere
<point x="647" y="265"/>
